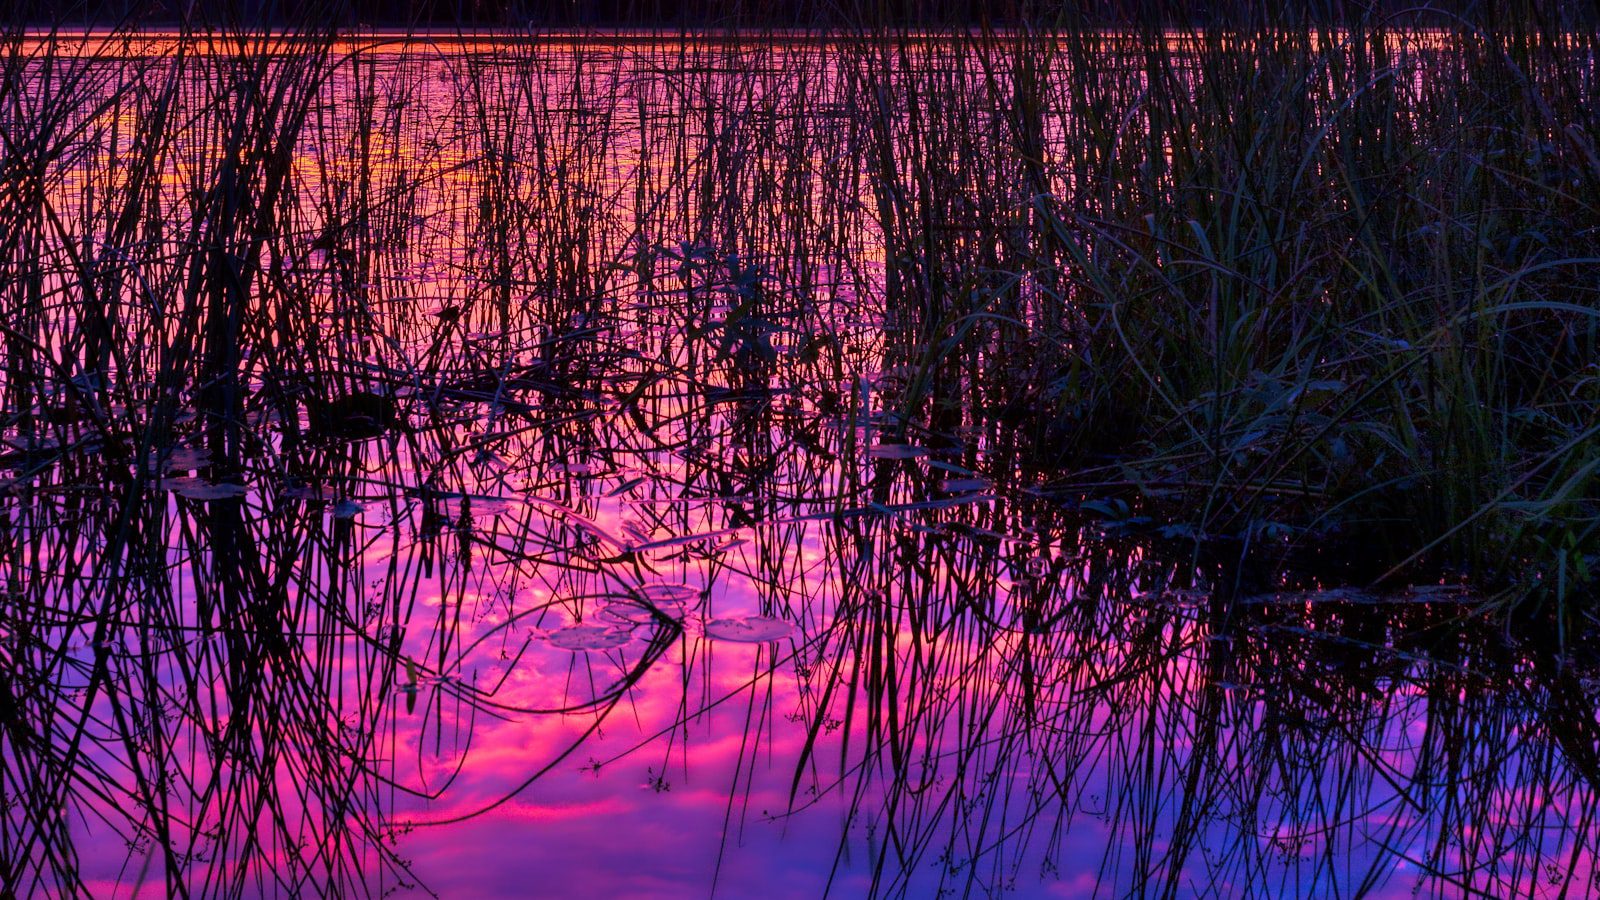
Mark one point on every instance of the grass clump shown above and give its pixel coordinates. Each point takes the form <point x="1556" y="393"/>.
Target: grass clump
<point x="1328" y="286"/>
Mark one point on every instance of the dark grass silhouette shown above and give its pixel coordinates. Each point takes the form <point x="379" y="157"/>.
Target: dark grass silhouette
<point x="1076" y="347"/>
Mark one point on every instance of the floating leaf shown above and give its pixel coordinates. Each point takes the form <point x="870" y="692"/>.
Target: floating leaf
<point x="584" y="638"/>
<point x="188" y="458"/>
<point x="896" y="451"/>
<point x="306" y="492"/>
<point x="626" y="612"/>
<point x="662" y="593"/>
<point x="201" y="489"/>
<point x="747" y="629"/>
<point x="616" y="615"/>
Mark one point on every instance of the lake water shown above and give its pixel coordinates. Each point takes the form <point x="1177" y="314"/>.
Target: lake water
<point x="585" y="499"/>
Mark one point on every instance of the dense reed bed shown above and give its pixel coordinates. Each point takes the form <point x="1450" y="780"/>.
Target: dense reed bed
<point x="1325" y="288"/>
<point x="1254" y="286"/>
<point x="1005" y="377"/>
<point x="1340" y="283"/>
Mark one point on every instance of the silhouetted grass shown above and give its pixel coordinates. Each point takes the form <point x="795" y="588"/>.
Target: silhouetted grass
<point x="329" y="362"/>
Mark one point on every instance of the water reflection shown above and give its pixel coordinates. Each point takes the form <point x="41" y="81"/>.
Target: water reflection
<point x="578" y="505"/>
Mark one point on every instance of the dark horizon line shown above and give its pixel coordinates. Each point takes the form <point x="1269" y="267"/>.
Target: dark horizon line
<point x="774" y="14"/>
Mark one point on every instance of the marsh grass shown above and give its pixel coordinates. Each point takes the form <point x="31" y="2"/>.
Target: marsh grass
<point x="1062" y="344"/>
<point x="1339" y="282"/>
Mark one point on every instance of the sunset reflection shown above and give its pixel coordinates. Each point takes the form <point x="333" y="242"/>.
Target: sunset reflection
<point x="1048" y="459"/>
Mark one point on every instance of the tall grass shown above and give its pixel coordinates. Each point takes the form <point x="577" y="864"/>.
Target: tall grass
<point x="1323" y="284"/>
<point x="1338" y="282"/>
<point x="1271" y="279"/>
<point x="969" y="311"/>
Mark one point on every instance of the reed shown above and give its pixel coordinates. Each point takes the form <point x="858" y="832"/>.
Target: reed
<point x="1068" y="342"/>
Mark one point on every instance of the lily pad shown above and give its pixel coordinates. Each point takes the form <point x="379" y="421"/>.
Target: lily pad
<point x="188" y="458"/>
<point x="662" y="593"/>
<point x="314" y="493"/>
<point x="748" y="629"/>
<point x="625" y="612"/>
<point x="896" y="451"/>
<point x="201" y="489"/>
<point x="585" y="638"/>
<point x="616" y="615"/>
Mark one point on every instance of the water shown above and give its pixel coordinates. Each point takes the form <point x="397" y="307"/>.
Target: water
<point x="577" y="504"/>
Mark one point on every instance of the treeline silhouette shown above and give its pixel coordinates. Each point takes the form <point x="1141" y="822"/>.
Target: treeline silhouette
<point x="491" y="13"/>
<point x="782" y="13"/>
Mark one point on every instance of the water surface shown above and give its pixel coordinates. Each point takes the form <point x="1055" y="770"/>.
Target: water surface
<point x="588" y="497"/>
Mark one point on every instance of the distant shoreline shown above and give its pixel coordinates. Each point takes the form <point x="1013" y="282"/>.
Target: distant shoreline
<point x="528" y="33"/>
<point x="112" y="42"/>
<point x="467" y="37"/>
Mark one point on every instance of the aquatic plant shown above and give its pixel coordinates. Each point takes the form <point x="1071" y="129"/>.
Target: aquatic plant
<point x="1010" y="396"/>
